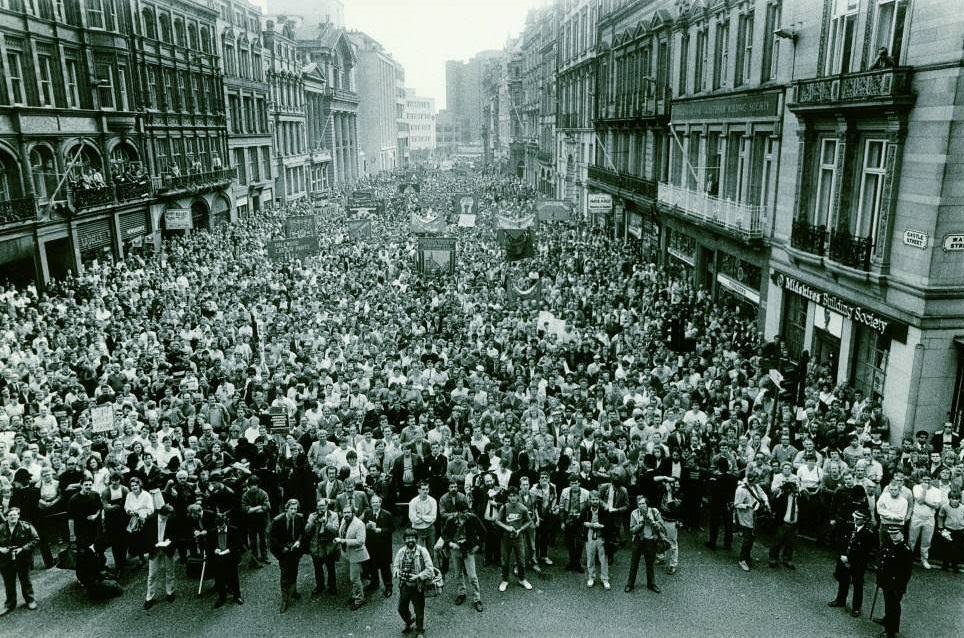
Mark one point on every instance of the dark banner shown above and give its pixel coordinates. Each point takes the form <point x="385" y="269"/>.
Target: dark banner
<point x="409" y="188"/>
<point x="300" y="227"/>
<point x="436" y="255"/>
<point x="523" y="288"/>
<point x="362" y="199"/>
<point x="359" y="229"/>
<point x="289" y="249"/>
<point x="519" y="244"/>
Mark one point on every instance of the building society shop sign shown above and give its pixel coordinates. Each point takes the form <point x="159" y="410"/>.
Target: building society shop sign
<point x="890" y="327"/>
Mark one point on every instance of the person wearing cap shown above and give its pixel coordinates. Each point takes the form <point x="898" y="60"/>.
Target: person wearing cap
<point x="463" y="534"/>
<point x="159" y="534"/>
<point x="896" y="562"/>
<point x="853" y="555"/>
<point x="413" y="569"/>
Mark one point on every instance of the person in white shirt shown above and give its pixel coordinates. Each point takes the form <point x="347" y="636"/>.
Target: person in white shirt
<point x="928" y="499"/>
<point x="892" y="508"/>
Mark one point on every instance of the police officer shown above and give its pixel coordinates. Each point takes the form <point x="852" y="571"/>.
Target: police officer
<point x="893" y="574"/>
<point x="854" y="554"/>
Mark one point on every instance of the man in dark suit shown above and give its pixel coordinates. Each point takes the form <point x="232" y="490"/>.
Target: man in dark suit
<point x="852" y="561"/>
<point x="224" y="557"/>
<point x="17" y="540"/>
<point x="351" y="495"/>
<point x="159" y="533"/>
<point x="945" y="437"/>
<point x="287" y="531"/>
<point x="330" y="487"/>
<point x="379" y="525"/>
<point x="407" y="472"/>
<point x="893" y="574"/>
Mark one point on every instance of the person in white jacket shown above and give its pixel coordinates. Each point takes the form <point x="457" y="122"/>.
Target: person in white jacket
<point x="928" y="499"/>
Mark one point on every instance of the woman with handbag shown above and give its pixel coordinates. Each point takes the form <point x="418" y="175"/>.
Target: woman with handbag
<point x="646" y="530"/>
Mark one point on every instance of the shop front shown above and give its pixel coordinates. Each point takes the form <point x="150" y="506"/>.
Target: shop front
<point x="681" y="252"/>
<point x="738" y="285"/>
<point x="17" y="261"/>
<point x="642" y="230"/>
<point x="135" y="232"/>
<point x="95" y="241"/>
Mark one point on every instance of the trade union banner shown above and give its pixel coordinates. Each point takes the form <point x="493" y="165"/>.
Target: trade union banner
<point x="431" y="223"/>
<point x="465" y="204"/>
<point x="436" y="255"/>
<point x="504" y="223"/>
<point x="467" y="221"/>
<point x="409" y="188"/>
<point x="523" y="287"/>
<point x="553" y="211"/>
<point x="289" y="249"/>
<point x="518" y="243"/>
<point x="300" y="226"/>
<point x="359" y="229"/>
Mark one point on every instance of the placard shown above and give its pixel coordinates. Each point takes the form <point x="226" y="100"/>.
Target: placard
<point x="178" y="219"/>
<point x="102" y="418"/>
<point x="436" y="255"/>
<point x="300" y="226"/>
<point x="289" y="249"/>
<point x="600" y="203"/>
<point x="465" y="204"/>
<point x="279" y="420"/>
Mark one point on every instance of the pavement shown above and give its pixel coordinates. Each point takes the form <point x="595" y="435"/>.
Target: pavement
<point x="708" y="597"/>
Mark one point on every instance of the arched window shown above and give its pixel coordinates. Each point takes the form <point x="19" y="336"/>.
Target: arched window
<point x="205" y="40"/>
<point x="43" y="172"/>
<point x="150" y="29"/>
<point x="123" y="159"/>
<point x="192" y="36"/>
<point x="83" y="159"/>
<point x="165" y="28"/>
<point x="179" y="32"/>
<point x="9" y="177"/>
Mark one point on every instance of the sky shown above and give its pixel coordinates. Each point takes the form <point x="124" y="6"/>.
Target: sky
<point x="423" y="34"/>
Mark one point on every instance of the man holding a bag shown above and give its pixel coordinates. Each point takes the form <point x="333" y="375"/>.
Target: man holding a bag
<point x="646" y="530"/>
<point x="413" y="570"/>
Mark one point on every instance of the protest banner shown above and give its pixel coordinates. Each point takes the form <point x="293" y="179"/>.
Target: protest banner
<point x="465" y="204"/>
<point x="300" y="226"/>
<point x="431" y="223"/>
<point x="359" y="229"/>
<point x="102" y="418"/>
<point x="467" y="221"/>
<point x="436" y="255"/>
<point x="178" y="219"/>
<point x="288" y="249"/>
<point x="552" y="210"/>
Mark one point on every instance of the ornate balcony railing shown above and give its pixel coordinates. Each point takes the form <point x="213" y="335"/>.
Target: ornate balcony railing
<point x="747" y="221"/>
<point x="132" y="190"/>
<point x="18" y="210"/>
<point x="623" y="180"/>
<point x="196" y="180"/>
<point x="636" y="105"/>
<point x="877" y="87"/>
<point x="842" y="247"/>
<point x="90" y="197"/>
<point x="850" y="250"/>
<point x="809" y="238"/>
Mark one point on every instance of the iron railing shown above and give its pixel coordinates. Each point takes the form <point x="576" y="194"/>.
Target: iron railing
<point x="747" y="221"/>
<point x="839" y="246"/>
<point x="18" y="210"/>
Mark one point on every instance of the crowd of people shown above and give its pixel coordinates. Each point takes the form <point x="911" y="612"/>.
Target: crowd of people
<point x="207" y="403"/>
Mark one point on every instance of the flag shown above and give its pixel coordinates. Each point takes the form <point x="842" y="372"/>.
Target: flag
<point x="523" y="288"/>
<point x="519" y="244"/>
<point x="359" y="229"/>
<point x="467" y="221"/>
<point x="504" y="224"/>
<point x="431" y="224"/>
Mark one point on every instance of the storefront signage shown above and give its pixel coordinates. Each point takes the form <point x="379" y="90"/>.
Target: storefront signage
<point x="732" y="107"/>
<point x="178" y="219"/>
<point x="915" y="238"/>
<point x="683" y="257"/>
<point x="740" y="289"/>
<point x="600" y="203"/>
<point x="94" y="235"/>
<point x="954" y="242"/>
<point x="634" y="226"/>
<point x="890" y="327"/>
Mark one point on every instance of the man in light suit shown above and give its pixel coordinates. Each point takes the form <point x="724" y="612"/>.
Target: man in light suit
<point x="351" y="536"/>
<point x="287" y="531"/>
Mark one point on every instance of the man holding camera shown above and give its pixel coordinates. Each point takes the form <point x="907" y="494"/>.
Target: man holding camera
<point x="786" y="511"/>
<point x="412" y="569"/>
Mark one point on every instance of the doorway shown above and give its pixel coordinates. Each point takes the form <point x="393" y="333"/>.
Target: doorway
<point x="826" y="350"/>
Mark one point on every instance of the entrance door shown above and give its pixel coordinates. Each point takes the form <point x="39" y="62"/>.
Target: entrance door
<point x="59" y="257"/>
<point x="826" y="350"/>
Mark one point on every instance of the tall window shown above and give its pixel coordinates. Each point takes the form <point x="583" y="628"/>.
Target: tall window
<point x="73" y="93"/>
<point x="169" y="97"/>
<point x="124" y="105"/>
<point x="684" y="50"/>
<point x="152" y="87"/>
<point x="253" y="164"/>
<point x="105" y="85"/>
<point x="45" y="73"/>
<point x="721" y="53"/>
<point x="771" y="43"/>
<point x="889" y="27"/>
<point x="15" y="75"/>
<point x="744" y="49"/>
<point x="702" y="53"/>
<point x="871" y="354"/>
<point x="266" y="162"/>
<point x="95" y="14"/>
<point x="871" y="189"/>
<point x="842" y="40"/>
<point x="826" y="181"/>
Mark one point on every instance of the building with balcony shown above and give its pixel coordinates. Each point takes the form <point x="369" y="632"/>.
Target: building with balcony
<point x="332" y="103"/>
<point x="867" y="260"/>
<point x="378" y="108"/>
<point x="420" y="117"/>
<point x="575" y="83"/>
<point x="246" y="95"/>
<point x="285" y="73"/>
<point x="101" y="100"/>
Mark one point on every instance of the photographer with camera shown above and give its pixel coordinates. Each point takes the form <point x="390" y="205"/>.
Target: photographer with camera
<point x="412" y="569"/>
<point x="786" y="512"/>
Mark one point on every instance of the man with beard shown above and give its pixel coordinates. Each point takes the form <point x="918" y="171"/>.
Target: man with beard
<point x="413" y="569"/>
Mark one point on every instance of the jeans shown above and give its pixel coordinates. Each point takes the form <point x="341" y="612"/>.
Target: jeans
<point x="596" y="548"/>
<point x="783" y="539"/>
<point x="410" y="595"/>
<point x="512" y="546"/>
<point x="643" y="548"/>
<point x="160" y="573"/>
<point x="748" y="535"/>
<point x="923" y="529"/>
<point x="18" y="569"/>
<point x="426" y="538"/>
<point x="574" y="543"/>
<point x="463" y="563"/>
<point x="357" y="587"/>
<point x="672" y="535"/>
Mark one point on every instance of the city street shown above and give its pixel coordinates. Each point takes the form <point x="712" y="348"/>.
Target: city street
<point x="709" y="596"/>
